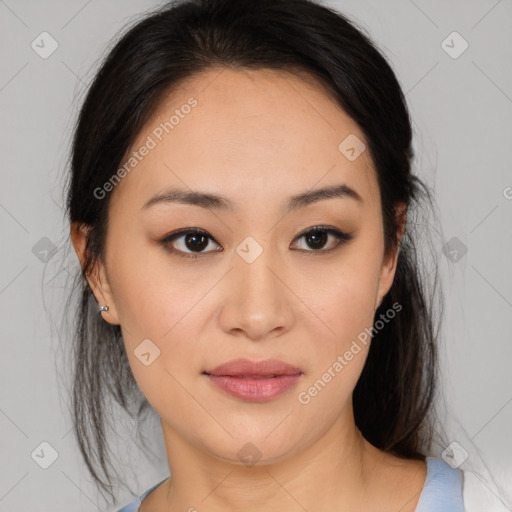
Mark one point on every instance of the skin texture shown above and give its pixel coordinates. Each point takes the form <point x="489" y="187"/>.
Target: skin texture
<point x="256" y="137"/>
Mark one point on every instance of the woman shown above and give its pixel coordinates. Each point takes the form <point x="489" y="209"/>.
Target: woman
<point x="240" y="189"/>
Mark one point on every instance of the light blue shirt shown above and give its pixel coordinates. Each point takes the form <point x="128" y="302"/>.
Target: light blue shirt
<point x="442" y="491"/>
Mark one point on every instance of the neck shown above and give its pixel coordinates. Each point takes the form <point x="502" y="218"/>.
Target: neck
<point x="333" y="473"/>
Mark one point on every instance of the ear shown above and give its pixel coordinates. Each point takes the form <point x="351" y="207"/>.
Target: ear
<point x="389" y="264"/>
<point x="97" y="277"/>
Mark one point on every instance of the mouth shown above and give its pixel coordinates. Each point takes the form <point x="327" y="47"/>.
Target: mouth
<point x="254" y="381"/>
<point x="247" y="376"/>
<point x="245" y="368"/>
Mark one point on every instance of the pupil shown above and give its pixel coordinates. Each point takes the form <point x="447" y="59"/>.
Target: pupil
<point x="194" y="246"/>
<point x="315" y="240"/>
<point x="322" y="235"/>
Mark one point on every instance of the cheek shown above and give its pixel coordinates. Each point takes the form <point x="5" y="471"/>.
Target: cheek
<point x="342" y="339"/>
<point x="152" y="293"/>
<point x="343" y="299"/>
<point x="160" y="320"/>
<point x="155" y="302"/>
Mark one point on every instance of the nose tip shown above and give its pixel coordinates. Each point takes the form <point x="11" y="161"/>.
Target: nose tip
<point x="257" y="302"/>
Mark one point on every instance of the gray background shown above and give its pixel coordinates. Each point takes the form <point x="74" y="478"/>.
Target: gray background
<point x="462" y="114"/>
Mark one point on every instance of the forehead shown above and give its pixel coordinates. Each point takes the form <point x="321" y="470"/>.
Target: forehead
<point x="251" y="134"/>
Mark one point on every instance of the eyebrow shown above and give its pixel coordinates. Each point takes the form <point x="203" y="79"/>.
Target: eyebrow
<point x="215" y="202"/>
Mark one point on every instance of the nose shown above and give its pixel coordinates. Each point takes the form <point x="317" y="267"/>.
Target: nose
<point x="257" y="302"/>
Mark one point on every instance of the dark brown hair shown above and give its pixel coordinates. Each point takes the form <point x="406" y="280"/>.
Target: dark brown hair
<point x="394" y="395"/>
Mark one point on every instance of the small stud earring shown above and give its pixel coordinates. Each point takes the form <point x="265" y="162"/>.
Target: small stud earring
<point x="103" y="308"/>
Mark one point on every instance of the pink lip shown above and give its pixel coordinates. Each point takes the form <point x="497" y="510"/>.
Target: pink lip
<point x="254" y="381"/>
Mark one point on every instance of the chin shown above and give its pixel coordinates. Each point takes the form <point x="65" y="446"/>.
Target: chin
<point x="255" y="448"/>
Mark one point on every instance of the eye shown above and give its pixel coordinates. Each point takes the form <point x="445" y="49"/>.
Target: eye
<point x="197" y="240"/>
<point x="317" y="237"/>
<point x="194" y="239"/>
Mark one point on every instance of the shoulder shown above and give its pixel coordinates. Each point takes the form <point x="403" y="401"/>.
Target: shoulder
<point x="131" y="507"/>
<point x="135" y="504"/>
<point x="443" y="489"/>
<point x="421" y="485"/>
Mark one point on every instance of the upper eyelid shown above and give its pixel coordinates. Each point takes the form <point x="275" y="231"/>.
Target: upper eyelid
<point x="186" y="231"/>
<point x="319" y="227"/>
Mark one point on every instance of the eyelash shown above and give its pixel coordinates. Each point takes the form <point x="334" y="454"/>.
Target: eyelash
<point x="341" y="236"/>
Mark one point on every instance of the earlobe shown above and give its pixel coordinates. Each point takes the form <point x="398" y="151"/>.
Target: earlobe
<point x="96" y="277"/>
<point x="101" y="289"/>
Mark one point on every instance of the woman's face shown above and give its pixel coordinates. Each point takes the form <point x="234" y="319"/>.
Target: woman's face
<point x="259" y="288"/>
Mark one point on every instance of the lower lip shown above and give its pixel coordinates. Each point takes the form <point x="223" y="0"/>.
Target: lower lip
<point x="254" y="389"/>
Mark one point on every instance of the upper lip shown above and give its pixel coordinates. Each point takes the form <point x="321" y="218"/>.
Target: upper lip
<point x="246" y="367"/>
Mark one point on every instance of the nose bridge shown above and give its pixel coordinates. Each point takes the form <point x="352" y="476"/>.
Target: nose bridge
<point x="253" y="270"/>
<point x="258" y="301"/>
